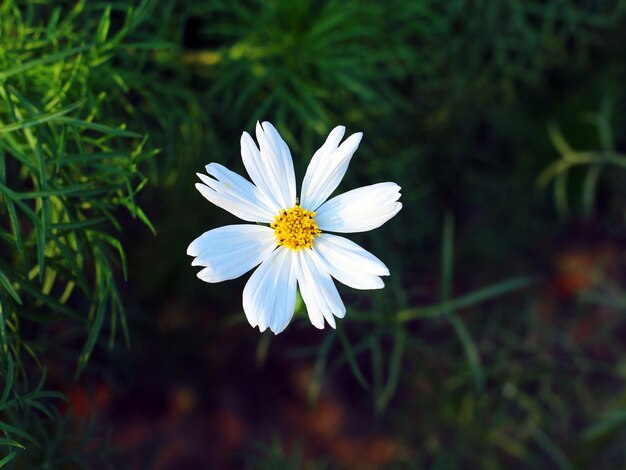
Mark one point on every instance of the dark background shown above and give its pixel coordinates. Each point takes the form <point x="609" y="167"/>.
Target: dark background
<point x="498" y="341"/>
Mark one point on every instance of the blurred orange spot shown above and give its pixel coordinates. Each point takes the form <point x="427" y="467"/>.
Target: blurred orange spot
<point x="183" y="400"/>
<point x="84" y="401"/>
<point x="78" y="402"/>
<point x="580" y="269"/>
<point x="380" y="451"/>
<point x="346" y="451"/>
<point x="301" y="379"/>
<point x="575" y="272"/>
<point x="325" y="429"/>
<point x="230" y="431"/>
<point x="365" y="452"/>
<point x="327" y="418"/>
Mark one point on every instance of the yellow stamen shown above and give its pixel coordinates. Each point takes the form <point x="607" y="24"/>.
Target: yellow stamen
<point x="295" y="228"/>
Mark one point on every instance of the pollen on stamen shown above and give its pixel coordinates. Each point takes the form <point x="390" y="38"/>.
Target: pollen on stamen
<point x="295" y="228"/>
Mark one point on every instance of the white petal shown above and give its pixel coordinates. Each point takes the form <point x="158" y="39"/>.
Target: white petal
<point x="230" y="251"/>
<point x="237" y="195"/>
<point x="359" y="210"/>
<point x="271" y="168"/>
<point x="349" y="263"/>
<point x="318" y="290"/>
<point x="327" y="168"/>
<point x="256" y="169"/>
<point x="269" y="298"/>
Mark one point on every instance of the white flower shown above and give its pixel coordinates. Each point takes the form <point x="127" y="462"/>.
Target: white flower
<point x="294" y="246"/>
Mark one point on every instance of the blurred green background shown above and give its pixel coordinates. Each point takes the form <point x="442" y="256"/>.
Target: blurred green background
<point x="499" y="339"/>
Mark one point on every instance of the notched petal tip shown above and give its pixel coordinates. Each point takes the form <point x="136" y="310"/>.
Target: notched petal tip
<point x="201" y="187"/>
<point x="192" y="249"/>
<point x="330" y="319"/>
<point x="208" y="275"/>
<point x="246" y="139"/>
<point x="377" y="283"/>
<point x="211" y="166"/>
<point x="352" y="143"/>
<point x="392" y="188"/>
<point x="201" y="274"/>
<point x="335" y="136"/>
<point x="268" y="126"/>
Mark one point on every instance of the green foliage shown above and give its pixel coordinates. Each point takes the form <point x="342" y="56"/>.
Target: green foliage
<point x="273" y="455"/>
<point x="307" y="64"/>
<point x="594" y="162"/>
<point x="30" y="421"/>
<point x="495" y="51"/>
<point x="68" y="172"/>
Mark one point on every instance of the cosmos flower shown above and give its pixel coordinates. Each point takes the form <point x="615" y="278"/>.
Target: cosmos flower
<point x="290" y="238"/>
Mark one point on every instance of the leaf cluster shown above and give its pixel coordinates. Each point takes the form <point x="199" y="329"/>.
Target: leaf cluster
<point x="70" y="173"/>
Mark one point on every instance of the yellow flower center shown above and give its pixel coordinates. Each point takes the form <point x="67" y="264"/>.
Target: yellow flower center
<point x="295" y="228"/>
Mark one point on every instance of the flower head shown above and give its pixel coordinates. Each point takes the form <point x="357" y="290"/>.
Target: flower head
<point x="291" y="240"/>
